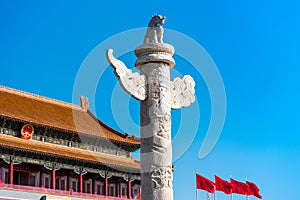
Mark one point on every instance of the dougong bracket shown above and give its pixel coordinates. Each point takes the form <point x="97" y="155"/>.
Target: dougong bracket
<point x="133" y="83"/>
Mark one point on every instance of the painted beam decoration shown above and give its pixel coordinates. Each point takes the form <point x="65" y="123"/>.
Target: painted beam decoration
<point x="158" y="95"/>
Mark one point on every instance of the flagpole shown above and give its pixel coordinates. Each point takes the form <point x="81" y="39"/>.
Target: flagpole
<point x="247" y="197"/>
<point x="215" y="188"/>
<point x="196" y="187"/>
<point x="231" y="196"/>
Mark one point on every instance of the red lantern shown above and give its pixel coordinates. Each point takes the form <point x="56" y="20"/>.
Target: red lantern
<point x="27" y="131"/>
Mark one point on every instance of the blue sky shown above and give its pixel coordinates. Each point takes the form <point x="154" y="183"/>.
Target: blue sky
<point x="255" y="45"/>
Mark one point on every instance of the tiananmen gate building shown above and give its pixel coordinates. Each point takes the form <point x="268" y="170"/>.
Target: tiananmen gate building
<point x="50" y="147"/>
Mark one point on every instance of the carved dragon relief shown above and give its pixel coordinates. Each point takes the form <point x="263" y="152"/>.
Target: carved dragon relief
<point x="162" y="177"/>
<point x="133" y="83"/>
<point x="182" y="91"/>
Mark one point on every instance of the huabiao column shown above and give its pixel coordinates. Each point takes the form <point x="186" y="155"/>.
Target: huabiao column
<point x="158" y="95"/>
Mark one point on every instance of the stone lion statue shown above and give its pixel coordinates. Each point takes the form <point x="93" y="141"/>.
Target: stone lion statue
<point x="154" y="33"/>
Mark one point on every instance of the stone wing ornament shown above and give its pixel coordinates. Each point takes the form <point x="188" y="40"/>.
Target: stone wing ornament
<point x="133" y="83"/>
<point x="182" y="91"/>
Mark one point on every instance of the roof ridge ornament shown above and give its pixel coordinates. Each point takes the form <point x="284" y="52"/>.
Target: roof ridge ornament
<point x="84" y="103"/>
<point x="38" y="97"/>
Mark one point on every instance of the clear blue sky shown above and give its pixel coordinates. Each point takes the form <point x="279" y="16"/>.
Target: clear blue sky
<point x="255" y="45"/>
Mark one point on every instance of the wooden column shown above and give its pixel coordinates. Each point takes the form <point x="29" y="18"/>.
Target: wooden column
<point x="38" y="179"/>
<point x="42" y="183"/>
<point x="106" y="186"/>
<point x="53" y="179"/>
<point x="129" y="189"/>
<point x="94" y="186"/>
<point x="119" y="190"/>
<point x="80" y="182"/>
<point x="2" y="175"/>
<point x="70" y="183"/>
<point x="11" y="172"/>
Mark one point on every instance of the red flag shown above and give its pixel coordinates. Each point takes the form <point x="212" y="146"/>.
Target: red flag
<point x="239" y="187"/>
<point x="222" y="185"/>
<point x="254" y="190"/>
<point x="204" y="184"/>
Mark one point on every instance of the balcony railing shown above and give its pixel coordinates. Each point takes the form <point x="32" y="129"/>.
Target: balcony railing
<point x="57" y="192"/>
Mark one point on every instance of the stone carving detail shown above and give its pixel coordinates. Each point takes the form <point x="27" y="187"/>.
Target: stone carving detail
<point x="52" y="165"/>
<point x="154" y="33"/>
<point x="162" y="177"/>
<point x="182" y="91"/>
<point x="105" y="174"/>
<point x="133" y="83"/>
<point x="164" y="129"/>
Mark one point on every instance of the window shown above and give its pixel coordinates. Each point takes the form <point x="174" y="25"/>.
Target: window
<point x="23" y="178"/>
<point x="75" y="185"/>
<point x="100" y="188"/>
<point x="96" y="148"/>
<point x="88" y="186"/>
<point x="82" y="146"/>
<point x="105" y="150"/>
<point x="112" y="189"/>
<point x="56" y="141"/>
<point x="90" y="147"/>
<point x="113" y="151"/>
<point x="61" y="183"/>
<point x="47" y="181"/>
<point x="32" y="179"/>
<point x="76" y="145"/>
<point x="123" y="190"/>
<point x="49" y="139"/>
<point x="135" y="190"/>
<point x="6" y="175"/>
